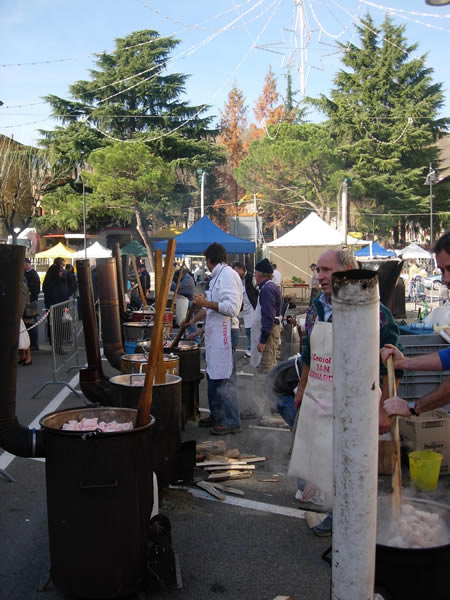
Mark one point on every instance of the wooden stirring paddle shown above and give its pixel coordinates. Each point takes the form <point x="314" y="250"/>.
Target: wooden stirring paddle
<point x="145" y="400"/>
<point x="397" y="474"/>
<point x="188" y="317"/>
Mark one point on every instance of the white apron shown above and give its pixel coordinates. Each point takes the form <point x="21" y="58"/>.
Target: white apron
<point x="248" y="309"/>
<point x="312" y="455"/>
<point x="219" y="354"/>
<point x="255" y="355"/>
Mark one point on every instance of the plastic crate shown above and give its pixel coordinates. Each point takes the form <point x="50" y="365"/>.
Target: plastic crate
<point x="415" y="384"/>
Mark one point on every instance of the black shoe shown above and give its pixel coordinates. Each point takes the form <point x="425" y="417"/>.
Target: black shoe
<point x="27" y="364"/>
<point x="220" y="430"/>
<point x="205" y="422"/>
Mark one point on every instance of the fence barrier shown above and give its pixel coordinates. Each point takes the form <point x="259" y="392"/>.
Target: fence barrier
<point x="62" y="331"/>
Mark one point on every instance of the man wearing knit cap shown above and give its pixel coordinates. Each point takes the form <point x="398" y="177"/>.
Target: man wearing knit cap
<point x="266" y="320"/>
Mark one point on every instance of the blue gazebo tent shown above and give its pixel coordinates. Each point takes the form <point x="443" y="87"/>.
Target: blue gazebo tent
<point x="204" y="232"/>
<point x="374" y="250"/>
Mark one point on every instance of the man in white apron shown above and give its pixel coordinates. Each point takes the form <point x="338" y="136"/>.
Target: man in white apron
<point x="312" y="454"/>
<point x="222" y="301"/>
<point x="249" y="301"/>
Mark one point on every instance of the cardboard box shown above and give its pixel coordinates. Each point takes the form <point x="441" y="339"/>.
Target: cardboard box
<point x="430" y="431"/>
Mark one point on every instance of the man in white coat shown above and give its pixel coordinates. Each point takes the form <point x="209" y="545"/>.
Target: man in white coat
<point x="222" y="301"/>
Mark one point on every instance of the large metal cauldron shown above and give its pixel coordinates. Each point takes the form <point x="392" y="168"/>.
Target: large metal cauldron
<point x="167" y="410"/>
<point x="189" y="354"/>
<point x="137" y="363"/>
<point x="99" y="498"/>
<point x="412" y="573"/>
<point x="148" y="314"/>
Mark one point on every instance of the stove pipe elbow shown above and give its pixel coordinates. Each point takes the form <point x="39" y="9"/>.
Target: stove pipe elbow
<point x="14" y="437"/>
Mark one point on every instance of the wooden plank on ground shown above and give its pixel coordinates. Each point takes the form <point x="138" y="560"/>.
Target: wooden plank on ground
<point x="210" y="488"/>
<point x="238" y="467"/>
<point x="224" y="475"/>
<point x="229" y="490"/>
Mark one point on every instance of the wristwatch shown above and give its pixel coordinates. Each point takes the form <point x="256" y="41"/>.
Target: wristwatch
<point x="412" y="408"/>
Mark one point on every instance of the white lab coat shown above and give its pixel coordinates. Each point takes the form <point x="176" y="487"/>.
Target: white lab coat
<point x="225" y="288"/>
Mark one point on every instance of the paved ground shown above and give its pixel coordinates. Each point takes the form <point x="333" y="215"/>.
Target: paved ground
<point x="226" y="551"/>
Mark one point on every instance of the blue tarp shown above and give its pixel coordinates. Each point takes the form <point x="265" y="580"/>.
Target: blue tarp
<point x="377" y="251"/>
<point x="204" y="232"/>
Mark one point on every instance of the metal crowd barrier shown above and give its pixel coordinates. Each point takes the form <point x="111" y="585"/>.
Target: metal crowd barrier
<point x="63" y="335"/>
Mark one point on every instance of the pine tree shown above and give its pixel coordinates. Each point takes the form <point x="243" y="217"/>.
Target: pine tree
<point x="267" y="111"/>
<point x="383" y="115"/>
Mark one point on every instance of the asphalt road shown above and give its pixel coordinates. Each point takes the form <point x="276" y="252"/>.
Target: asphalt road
<point x="227" y="551"/>
<point x="251" y="548"/>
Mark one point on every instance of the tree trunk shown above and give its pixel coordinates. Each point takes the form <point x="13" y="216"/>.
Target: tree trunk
<point x="141" y="230"/>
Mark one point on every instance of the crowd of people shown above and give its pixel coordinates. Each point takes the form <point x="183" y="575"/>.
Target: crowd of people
<point x="233" y="290"/>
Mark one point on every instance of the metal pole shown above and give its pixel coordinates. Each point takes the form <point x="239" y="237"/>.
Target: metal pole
<point x="355" y="433"/>
<point x="255" y="209"/>
<point x="431" y="206"/>
<point x="344" y="211"/>
<point x="202" y="195"/>
<point x="84" y="221"/>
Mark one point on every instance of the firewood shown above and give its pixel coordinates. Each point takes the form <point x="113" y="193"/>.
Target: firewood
<point x="210" y="447"/>
<point x="274" y="479"/>
<point x="218" y="463"/>
<point x="210" y="488"/>
<point x="237" y="467"/>
<point x="229" y="490"/>
<point x="232" y="453"/>
<point x="283" y="598"/>
<point x="224" y="475"/>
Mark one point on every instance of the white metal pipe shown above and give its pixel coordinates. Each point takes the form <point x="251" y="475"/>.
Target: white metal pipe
<point x="202" y="195"/>
<point x="344" y="211"/>
<point x="355" y="432"/>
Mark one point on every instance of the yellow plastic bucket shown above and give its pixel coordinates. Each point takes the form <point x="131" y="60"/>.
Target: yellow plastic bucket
<point x="424" y="467"/>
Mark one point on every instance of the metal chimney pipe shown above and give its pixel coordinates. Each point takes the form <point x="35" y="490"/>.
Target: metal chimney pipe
<point x="120" y="286"/>
<point x="355" y="432"/>
<point x="14" y="438"/>
<point x="109" y="307"/>
<point x="93" y="383"/>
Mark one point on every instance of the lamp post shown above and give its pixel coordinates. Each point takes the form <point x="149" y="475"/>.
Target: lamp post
<point x="80" y="180"/>
<point x="431" y="178"/>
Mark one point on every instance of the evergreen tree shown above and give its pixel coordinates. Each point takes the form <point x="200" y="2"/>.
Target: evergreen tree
<point x="383" y="114"/>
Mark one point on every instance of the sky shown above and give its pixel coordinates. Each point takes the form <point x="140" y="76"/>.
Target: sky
<point x="222" y="43"/>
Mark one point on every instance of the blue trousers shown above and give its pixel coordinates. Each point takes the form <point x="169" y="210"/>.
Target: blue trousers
<point x="286" y="408"/>
<point x="223" y="401"/>
<point x="248" y="331"/>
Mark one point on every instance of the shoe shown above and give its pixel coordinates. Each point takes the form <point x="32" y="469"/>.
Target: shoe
<point x="27" y="364"/>
<point x="206" y="422"/>
<point x="325" y="528"/>
<point x="34" y="347"/>
<point x="20" y="362"/>
<point x="314" y="504"/>
<point x="248" y="354"/>
<point x="219" y="430"/>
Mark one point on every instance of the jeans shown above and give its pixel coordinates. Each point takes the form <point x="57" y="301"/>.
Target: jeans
<point x="248" y="331"/>
<point x="235" y="338"/>
<point x="286" y="408"/>
<point x="223" y="401"/>
<point x="34" y="334"/>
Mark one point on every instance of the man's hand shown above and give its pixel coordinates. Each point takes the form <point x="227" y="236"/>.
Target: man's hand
<point x="397" y="406"/>
<point x="200" y="331"/>
<point x="260" y="347"/>
<point x="390" y="350"/>
<point x="199" y="299"/>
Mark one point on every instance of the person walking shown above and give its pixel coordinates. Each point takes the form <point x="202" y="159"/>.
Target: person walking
<point x="55" y="290"/>
<point x="221" y="302"/>
<point x="31" y="311"/>
<point x="266" y="320"/>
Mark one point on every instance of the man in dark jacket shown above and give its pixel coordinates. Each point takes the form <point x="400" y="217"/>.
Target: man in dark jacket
<point x="34" y="285"/>
<point x="72" y="282"/>
<point x="144" y="277"/>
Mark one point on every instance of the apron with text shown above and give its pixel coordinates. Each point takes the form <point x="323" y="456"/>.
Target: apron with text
<point x="219" y="355"/>
<point x="312" y="455"/>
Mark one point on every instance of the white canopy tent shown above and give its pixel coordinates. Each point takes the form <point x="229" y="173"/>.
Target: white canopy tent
<point x="297" y="249"/>
<point x="94" y="251"/>
<point x="414" y="251"/>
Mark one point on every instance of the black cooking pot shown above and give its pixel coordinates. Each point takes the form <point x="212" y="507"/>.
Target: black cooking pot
<point x="413" y="573"/>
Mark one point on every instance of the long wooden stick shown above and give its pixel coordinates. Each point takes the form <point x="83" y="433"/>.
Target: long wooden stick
<point x="183" y="327"/>
<point x="158" y="271"/>
<point x="138" y="281"/>
<point x="180" y="277"/>
<point x="397" y="474"/>
<point x="145" y="401"/>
